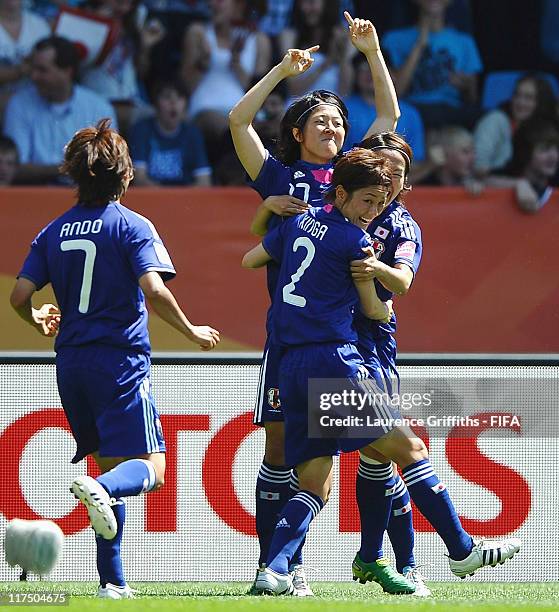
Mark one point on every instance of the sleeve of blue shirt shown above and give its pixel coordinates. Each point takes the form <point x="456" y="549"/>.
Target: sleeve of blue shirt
<point x="139" y="142"/>
<point x="412" y="235"/>
<point x="357" y="241"/>
<point x="273" y="178"/>
<point x="146" y="250"/>
<point x="35" y="267"/>
<point x="470" y="61"/>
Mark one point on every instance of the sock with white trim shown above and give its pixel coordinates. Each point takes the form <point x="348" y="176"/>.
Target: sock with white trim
<point x="374" y="487"/>
<point x="272" y="493"/>
<point x="400" y="527"/>
<point x="291" y="529"/>
<point x="129" y="478"/>
<point x="430" y="496"/>
<point x="109" y="562"/>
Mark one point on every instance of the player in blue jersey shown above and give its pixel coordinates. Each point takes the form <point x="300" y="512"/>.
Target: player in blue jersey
<point x="304" y="292"/>
<point x="103" y="260"/>
<point x="313" y="322"/>
<point x="396" y="240"/>
<point x="312" y="134"/>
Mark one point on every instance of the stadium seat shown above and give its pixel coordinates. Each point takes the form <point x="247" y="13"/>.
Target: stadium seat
<point x="499" y="86"/>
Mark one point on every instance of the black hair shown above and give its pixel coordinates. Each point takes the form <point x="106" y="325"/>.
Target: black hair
<point x="545" y="97"/>
<point x="329" y="20"/>
<point x="297" y="115"/>
<point x="167" y="84"/>
<point x="533" y="132"/>
<point x="7" y="145"/>
<point x="66" y="54"/>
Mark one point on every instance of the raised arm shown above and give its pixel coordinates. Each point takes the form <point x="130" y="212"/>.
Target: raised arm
<point x="248" y="145"/>
<point x="363" y="36"/>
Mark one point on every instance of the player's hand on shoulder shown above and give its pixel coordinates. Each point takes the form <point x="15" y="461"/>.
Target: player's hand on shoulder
<point x="285" y="205"/>
<point x="205" y="336"/>
<point x="365" y="269"/>
<point x="297" y="61"/>
<point x="47" y="320"/>
<point x="362" y="34"/>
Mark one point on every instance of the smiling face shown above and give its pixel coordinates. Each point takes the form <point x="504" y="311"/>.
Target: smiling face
<point x="322" y="136"/>
<point x="363" y="205"/>
<point x="545" y="160"/>
<point x="524" y="100"/>
<point x="398" y="174"/>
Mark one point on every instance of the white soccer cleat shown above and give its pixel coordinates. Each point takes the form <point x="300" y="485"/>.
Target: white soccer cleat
<point x="98" y="503"/>
<point x="301" y="587"/>
<point x="484" y="553"/>
<point x="33" y="545"/>
<point x="414" y="575"/>
<point x="269" y="582"/>
<point x="112" y="591"/>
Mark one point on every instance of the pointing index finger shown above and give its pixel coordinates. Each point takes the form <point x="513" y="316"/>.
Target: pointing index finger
<point x="349" y="18"/>
<point x="313" y="49"/>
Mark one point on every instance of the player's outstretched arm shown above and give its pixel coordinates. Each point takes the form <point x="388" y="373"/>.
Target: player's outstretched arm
<point x="45" y="320"/>
<point x="166" y="306"/>
<point x="249" y="147"/>
<point x="256" y="257"/>
<point x="364" y="37"/>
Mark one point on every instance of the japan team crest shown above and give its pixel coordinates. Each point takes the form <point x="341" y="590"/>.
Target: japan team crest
<point x="274" y="399"/>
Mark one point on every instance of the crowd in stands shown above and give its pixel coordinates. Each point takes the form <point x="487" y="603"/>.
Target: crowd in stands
<point x="477" y="83"/>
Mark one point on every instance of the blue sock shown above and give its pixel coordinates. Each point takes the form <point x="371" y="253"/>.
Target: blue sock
<point x="373" y="489"/>
<point x="400" y="527"/>
<point x="291" y="529"/>
<point x="433" y="501"/>
<point x="131" y="477"/>
<point x="297" y="558"/>
<point x="272" y="493"/>
<point x="109" y="563"/>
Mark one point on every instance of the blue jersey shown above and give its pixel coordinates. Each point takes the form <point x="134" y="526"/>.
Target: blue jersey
<point x="303" y="180"/>
<point x="93" y="257"/>
<point x="315" y="298"/>
<point x="396" y="238"/>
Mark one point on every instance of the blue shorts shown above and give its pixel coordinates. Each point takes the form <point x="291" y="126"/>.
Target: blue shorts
<point x="380" y="360"/>
<point x="268" y="405"/>
<point x="106" y="395"/>
<point x="298" y="365"/>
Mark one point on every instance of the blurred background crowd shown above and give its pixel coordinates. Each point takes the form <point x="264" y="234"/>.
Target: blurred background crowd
<point x="477" y="82"/>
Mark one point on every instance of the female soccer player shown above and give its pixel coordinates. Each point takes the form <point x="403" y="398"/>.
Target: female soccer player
<point x="312" y="134"/>
<point x="102" y="259"/>
<point x="313" y="322"/>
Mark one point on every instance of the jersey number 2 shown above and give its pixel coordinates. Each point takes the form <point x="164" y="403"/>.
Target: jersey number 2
<point x="288" y="296"/>
<point x="90" y="250"/>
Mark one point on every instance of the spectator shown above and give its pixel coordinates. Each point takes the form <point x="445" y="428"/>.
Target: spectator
<point x="117" y="78"/>
<point x="452" y="159"/>
<point x="220" y="61"/>
<point x="43" y="117"/>
<point x="532" y="171"/>
<point x="317" y="22"/>
<point x="8" y="161"/>
<point x="436" y="67"/>
<point x="19" y="31"/>
<point x="361" y="109"/>
<point x="165" y="149"/>
<point x="532" y="97"/>
<point x="268" y="120"/>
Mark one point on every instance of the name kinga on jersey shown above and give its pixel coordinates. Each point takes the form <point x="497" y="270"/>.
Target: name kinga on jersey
<point x="313" y="227"/>
<point x="81" y="228"/>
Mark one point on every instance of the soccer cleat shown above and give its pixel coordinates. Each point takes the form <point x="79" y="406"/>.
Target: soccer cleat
<point x="380" y="571"/>
<point x="301" y="587"/>
<point x="111" y="591"/>
<point x="252" y="590"/>
<point x="485" y="552"/>
<point x="269" y="582"/>
<point x="414" y="575"/>
<point x="98" y="503"/>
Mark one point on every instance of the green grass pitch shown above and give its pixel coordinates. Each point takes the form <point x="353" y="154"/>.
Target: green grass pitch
<point x="332" y="596"/>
